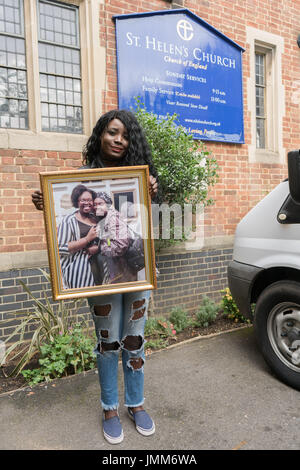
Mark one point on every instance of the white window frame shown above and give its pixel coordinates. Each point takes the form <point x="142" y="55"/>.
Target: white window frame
<point x="93" y="71"/>
<point x="272" y="46"/>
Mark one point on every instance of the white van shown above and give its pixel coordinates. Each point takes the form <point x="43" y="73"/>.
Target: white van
<point x="264" y="276"/>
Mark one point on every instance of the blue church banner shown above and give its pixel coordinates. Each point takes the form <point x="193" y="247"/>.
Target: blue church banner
<point x="177" y="63"/>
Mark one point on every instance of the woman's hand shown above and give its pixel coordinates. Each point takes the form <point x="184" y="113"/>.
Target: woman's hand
<point x="37" y="199"/>
<point x="153" y="186"/>
<point x="92" y="234"/>
<point x="81" y="244"/>
<point x="92" y="250"/>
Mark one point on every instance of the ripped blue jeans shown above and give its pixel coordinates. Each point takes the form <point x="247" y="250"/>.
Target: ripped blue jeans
<point x="119" y="322"/>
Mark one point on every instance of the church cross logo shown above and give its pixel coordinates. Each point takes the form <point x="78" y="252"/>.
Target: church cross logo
<point x="185" y="30"/>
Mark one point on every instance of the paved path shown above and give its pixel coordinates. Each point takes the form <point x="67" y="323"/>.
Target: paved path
<point x="212" y="393"/>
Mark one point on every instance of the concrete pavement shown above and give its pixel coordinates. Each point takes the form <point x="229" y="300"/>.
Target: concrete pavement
<point x="212" y="393"/>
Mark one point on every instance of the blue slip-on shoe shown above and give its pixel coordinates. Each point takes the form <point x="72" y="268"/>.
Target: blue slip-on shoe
<point x="143" y="423"/>
<point x="112" y="430"/>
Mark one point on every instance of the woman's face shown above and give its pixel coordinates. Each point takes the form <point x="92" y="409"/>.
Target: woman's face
<point x="85" y="203"/>
<point x="100" y="207"/>
<point x="114" y="142"/>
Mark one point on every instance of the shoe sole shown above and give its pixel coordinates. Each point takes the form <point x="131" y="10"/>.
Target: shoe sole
<point x="144" y="432"/>
<point x="113" y="440"/>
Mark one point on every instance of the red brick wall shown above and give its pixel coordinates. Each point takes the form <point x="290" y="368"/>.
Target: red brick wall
<point x="21" y="226"/>
<point x="241" y="183"/>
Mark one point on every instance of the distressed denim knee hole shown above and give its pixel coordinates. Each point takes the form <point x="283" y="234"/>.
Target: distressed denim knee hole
<point x="133" y="343"/>
<point x="138" y="303"/>
<point x="102" y="310"/>
<point x="138" y="314"/>
<point x="106" y="347"/>
<point x="136" y="363"/>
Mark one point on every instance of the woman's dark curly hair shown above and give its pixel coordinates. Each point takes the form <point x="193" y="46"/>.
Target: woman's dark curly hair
<point x="138" y="152"/>
<point x="77" y="191"/>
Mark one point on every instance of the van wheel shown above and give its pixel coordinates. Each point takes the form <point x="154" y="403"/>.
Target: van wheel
<point x="277" y="329"/>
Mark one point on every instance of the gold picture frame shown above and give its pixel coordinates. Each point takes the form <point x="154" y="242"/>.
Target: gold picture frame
<point x="75" y="272"/>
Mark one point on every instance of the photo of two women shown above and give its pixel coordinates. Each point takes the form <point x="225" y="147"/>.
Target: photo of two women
<point x="97" y="244"/>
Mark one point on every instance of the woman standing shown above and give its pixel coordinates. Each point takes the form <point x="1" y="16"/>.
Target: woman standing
<point x="118" y="140"/>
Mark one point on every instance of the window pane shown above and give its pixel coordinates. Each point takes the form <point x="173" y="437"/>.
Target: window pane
<point x="57" y="19"/>
<point x="259" y="69"/>
<point x="21" y="61"/>
<point x="60" y="67"/>
<point x="61" y="96"/>
<point x="13" y="81"/>
<point x="44" y="94"/>
<point x="61" y="111"/>
<point x="260" y="97"/>
<point x="14" y="113"/>
<point x="260" y="102"/>
<point x="11" y="60"/>
<point x="45" y="124"/>
<point x="11" y="17"/>
<point x="260" y="133"/>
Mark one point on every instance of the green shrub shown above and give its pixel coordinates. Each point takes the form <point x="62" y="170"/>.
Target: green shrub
<point x="180" y="319"/>
<point x="151" y="326"/>
<point x="158" y="343"/>
<point x="164" y="327"/>
<point x="157" y="332"/>
<point x="49" y="320"/>
<point x="206" y="313"/>
<point x="68" y="353"/>
<point x="186" y="170"/>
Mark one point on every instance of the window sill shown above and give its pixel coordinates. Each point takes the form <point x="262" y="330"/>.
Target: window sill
<point x="264" y="156"/>
<point x="28" y="140"/>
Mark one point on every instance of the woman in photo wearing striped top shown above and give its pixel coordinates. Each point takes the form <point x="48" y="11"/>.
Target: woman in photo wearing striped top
<point x="75" y="234"/>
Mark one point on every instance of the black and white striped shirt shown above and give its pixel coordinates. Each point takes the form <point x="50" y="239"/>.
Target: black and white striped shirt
<point x="76" y="269"/>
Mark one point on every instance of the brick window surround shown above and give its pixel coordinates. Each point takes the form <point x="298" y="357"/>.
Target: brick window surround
<point x="272" y="47"/>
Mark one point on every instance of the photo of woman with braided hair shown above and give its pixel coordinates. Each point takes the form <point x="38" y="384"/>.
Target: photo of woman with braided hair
<point x="108" y="259"/>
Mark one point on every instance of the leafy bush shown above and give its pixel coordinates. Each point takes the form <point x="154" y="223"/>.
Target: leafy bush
<point x="186" y="170"/>
<point x="151" y="327"/>
<point x="230" y="308"/>
<point x="206" y="313"/>
<point x="68" y="353"/>
<point x="158" y="330"/>
<point x="166" y="328"/>
<point x="49" y="321"/>
<point x="158" y="343"/>
<point x="180" y="319"/>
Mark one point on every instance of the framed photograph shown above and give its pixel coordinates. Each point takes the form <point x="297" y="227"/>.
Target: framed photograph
<point x="99" y="231"/>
